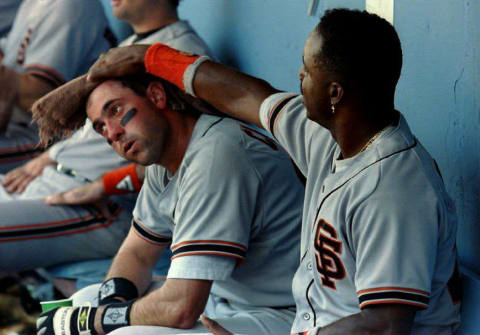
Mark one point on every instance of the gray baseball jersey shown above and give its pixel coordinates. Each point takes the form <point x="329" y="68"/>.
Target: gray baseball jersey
<point x="8" y="10"/>
<point x="232" y="214"/>
<point x="377" y="228"/>
<point x="49" y="39"/>
<point x="178" y="35"/>
<point x="27" y="224"/>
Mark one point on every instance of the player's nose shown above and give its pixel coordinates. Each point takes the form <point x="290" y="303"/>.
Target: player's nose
<point x="114" y="131"/>
<point x="301" y="73"/>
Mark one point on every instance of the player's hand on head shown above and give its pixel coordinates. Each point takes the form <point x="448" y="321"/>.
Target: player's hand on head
<point x="18" y="179"/>
<point x="89" y="194"/>
<point x="214" y="326"/>
<point x="54" y="121"/>
<point x="119" y="62"/>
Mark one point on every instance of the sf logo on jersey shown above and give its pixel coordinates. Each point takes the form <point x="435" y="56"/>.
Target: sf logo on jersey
<point x="327" y="251"/>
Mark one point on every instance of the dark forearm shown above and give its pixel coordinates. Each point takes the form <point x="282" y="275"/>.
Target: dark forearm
<point x="231" y="92"/>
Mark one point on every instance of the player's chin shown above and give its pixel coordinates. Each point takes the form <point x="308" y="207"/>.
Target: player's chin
<point x="119" y="151"/>
<point x="139" y="157"/>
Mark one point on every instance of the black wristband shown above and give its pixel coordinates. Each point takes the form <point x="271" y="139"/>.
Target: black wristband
<point x="116" y="316"/>
<point x="110" y="300"/>
<point x="116" y="288"/>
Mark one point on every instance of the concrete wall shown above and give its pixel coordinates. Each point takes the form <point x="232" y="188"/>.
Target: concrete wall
<point x="440" y="93"/>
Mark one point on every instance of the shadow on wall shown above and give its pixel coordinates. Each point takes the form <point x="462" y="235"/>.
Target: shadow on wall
<point x="470" y="324"/>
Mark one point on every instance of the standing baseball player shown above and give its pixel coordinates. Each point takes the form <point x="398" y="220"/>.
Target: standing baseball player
<point x="226" y="198"/>
<point x="378" y="249"/>
<point x="77" y="233"/>
<point x="49" y="44"/>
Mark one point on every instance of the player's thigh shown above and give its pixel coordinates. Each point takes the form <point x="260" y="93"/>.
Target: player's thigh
<point x="154" y="330"/>
<point x="237" y="325"/>
<point x="33" y="234"/>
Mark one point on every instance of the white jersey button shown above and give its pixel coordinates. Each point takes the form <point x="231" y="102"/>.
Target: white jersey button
<point x="306" y="316"/>
<point x="309" y="266"/>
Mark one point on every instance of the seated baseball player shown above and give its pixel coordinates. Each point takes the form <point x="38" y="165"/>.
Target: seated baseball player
<point x="379" y="229"/>
<point x="41" y="52"/>
<point x="76" y="233"/>
<point x="225" y="198"/>
<point x="151" y="21"/>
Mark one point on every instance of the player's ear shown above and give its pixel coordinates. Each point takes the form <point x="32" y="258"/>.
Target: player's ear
<point x="335" y="90"/>
<point x="156" y="94"/>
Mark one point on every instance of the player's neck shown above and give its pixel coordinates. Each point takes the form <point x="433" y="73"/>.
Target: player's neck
<point x="354" y="131"/>
<point x="152" y="23"/>
<point x="181" y="132"/>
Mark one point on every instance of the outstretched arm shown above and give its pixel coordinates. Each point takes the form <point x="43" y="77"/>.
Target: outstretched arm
<point x="230" y="91"/>
<point x="96" y="192"/>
